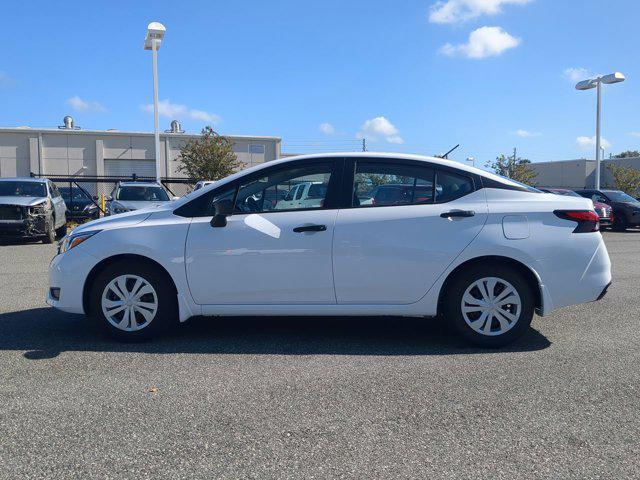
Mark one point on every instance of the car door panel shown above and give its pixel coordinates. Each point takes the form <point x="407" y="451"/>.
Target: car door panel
<point x="394" y="254"/>
<point x="260" y="259"/>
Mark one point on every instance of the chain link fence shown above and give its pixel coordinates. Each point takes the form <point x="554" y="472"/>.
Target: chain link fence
<point x="80" y="191"/>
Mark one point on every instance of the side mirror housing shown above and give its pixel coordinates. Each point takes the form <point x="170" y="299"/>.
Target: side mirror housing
<point x="224" y="208"/>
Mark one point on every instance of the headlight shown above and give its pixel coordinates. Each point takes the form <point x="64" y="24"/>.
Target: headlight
<point x="73" y="240"/>
<point x="38" y="209"/>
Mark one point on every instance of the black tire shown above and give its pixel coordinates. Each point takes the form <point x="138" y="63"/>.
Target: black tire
<point x="620" y="223"/>
<point x="62" y="231"/>
<point x="167" y="302"/>
<point x="452" y="305"/>
<point x="49" y="231"/>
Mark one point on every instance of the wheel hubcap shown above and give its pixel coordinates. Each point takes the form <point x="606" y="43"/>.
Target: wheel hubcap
<point x="129" y="303"/>
<point x="491" y="306"/>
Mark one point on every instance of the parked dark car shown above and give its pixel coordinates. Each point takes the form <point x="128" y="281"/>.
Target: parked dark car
<point x="604" y="211"/>
<point x="626" y="209"/>
<point x="80" y="205"/>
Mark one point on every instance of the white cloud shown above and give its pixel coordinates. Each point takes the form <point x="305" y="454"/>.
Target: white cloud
<point x="453" y="11"/>
<point x="177" y="111"/>
<point x="82" y="106"/>
<point x="576" y="74"/>
<point x="483" y="42"/>
<point x="526" y="133"/>
<point x="634" y="134"/>
<point x="380" y="127"/>
<point x="587" y="143"/>
<point x="327" y="128"/>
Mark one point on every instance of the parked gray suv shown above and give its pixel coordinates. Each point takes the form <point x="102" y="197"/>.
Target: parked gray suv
<point x="31" y="208"/>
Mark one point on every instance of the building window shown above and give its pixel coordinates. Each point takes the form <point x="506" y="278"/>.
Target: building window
<point x="256" y="148"/>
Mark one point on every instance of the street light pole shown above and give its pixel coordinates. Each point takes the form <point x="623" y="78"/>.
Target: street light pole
<point x="599" y="95"/>
<point x="156" y="127"/>
<point x="596" y="83"/>
<point x="153" y="40"/>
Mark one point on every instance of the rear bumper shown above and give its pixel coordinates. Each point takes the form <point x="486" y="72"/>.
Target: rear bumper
<point x="604" y="292"/>
<point x="567" y="285"/>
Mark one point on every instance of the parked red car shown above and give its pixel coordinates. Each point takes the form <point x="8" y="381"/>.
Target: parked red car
<point x="603" y="210"/>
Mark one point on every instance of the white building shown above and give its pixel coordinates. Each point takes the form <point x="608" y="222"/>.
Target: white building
<point x="71" y="151"/>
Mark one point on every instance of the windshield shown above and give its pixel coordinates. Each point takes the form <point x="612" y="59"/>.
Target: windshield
<point x="76" y="192"/>
<point x="142" y="194"/>
<point x="22" y="189"/>
<point x="618" y="196"/>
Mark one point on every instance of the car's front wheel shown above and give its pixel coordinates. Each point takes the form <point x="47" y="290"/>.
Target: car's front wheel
<point x="490" y="306"/>
<point x="49" y="231"/>
<point x="133" y="300"/>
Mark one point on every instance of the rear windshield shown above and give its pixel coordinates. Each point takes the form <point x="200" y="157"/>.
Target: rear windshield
<point x="618" y="196"/>
<point x="141" y="194"/>
<point x="22" y="189"/>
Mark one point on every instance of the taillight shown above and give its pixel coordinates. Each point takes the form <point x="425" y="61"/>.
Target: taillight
<point x="587" y="220"/>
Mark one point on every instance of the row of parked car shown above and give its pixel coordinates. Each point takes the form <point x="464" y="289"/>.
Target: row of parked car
<point x="616" y="209"/>
<point x="36" y="208"/>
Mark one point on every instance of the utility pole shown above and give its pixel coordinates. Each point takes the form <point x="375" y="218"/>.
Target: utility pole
<point x="364" y="144"/>
<point x="513" y="162"/>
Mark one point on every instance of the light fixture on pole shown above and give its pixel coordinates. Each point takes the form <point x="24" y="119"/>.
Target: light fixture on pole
<point x="596" y="83"/>
<point x="472" y="160"/>
<point x="155" y="34"/>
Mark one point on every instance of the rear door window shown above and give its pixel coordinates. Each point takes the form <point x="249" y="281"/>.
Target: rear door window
<point x="451" y="186"/>
<point x="386" y="184"/>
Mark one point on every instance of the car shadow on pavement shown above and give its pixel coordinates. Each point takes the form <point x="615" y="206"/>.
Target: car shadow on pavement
<point x="45" y="333"/>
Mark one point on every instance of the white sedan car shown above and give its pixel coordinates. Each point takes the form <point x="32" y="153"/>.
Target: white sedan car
<point x="483" y="251"/>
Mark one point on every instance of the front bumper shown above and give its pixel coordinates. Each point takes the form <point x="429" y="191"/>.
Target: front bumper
<point x="68" y="272"/>
<point x="26" y="228"/>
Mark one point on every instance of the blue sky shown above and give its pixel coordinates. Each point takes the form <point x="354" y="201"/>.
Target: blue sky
<point x="411" y="76"/>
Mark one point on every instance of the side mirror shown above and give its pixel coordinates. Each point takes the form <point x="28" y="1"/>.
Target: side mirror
<point x="224" y="208"/>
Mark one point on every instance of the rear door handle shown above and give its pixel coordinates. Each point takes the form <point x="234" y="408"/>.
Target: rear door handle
<point x="310" y="228"/>
<point x="458" y="214"/>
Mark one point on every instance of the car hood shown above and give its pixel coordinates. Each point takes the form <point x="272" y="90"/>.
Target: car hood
<point x="135" y="205"/>
<point x="22" y="201"/>
<point x="126" y="219"/>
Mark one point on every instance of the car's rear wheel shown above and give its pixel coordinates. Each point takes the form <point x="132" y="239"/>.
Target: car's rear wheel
<point x="619" y="223"/>
<point x="490" y="306"/>
<point x="133" y="301"/>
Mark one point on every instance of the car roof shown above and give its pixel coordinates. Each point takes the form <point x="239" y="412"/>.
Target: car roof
<point x="361" y="155"/>
<point x="23" y="179"/>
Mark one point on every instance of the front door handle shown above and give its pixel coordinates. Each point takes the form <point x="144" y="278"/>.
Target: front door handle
<point x="310" y="228"/>
<point x="458" y="214"/>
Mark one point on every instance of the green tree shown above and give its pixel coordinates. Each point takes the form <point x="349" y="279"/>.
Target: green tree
<point x="518" y="169"/>
<point x="209" y="157"/>
<point x="628" y="154"/>
<point x="625" y="178"/>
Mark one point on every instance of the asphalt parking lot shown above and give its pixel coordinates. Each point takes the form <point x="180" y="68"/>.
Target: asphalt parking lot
<point x="318" y="398"/>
